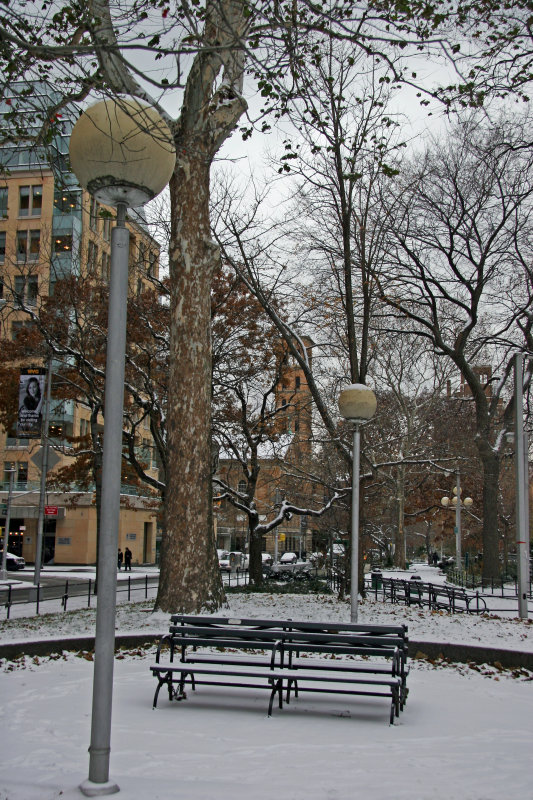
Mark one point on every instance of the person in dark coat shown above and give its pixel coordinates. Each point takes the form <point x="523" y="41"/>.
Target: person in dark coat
<point x="127" y="559"/>
<point x="120" y="558"/>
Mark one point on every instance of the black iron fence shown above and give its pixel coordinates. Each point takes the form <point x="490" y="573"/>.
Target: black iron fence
<point x="44" y="595"/>
<point x="504" y="585"/>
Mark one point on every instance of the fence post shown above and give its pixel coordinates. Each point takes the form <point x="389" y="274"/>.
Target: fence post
<point x="146" y="587"/>
<point x="9" y="600"/>
<point x="89" y="595"/>
<point x="129" y="587"/>
<point x="38" y="597"/>
<point x="65" y="596"/>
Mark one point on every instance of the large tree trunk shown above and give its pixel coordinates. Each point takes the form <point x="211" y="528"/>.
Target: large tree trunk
<point x="491" y="470"/>
<point x="190" y="578"/>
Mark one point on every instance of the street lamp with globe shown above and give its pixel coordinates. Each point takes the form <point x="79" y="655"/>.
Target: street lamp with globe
<point x="455" y="502"/>
<point x="122" y="152"/>
<point x="357" y="404"/>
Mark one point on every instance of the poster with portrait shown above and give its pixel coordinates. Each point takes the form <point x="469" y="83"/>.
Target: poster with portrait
<point x="31" y="400"/>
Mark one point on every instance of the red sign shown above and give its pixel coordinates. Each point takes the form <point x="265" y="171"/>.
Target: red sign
<point x="50" y="511"/>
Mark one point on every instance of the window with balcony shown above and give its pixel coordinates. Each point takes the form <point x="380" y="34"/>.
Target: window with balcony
<point x="30" y="201"/>
<point x="63" y="243"/>
<point x="66" y="201"/>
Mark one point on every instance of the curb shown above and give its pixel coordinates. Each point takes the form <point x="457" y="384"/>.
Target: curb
<point x="460" y="653"/>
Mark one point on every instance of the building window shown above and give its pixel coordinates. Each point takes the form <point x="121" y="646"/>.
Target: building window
<point x="28" y="245"/>
<point x="92" y="255"/>
<point x="2" y="246"/>
<point x="3" y="202"/>
<point x="139" y="287"/>
<point x="63" y="243"/>
<point x="30" y="201"/>
<point x="106" y="229"/>
<point x="22" y="472"/>
<point x="242" y="486"/>
<point x="66" y="201"/>
<point x="142" y="255"/>
<point x="84" y="427"/>
<point x="152" y="268"/>
<point x="16" y="327"/>
<point x="105" y="266"/>
<point x="297" y="382"/>
<point x="13" y="441"/>
<point x="64" y="541"/>
<point x="94" y="212"/>
<point x="26" y="289"/>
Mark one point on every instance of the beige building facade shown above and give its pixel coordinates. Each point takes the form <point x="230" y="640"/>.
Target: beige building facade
<point x="51" y="229"/>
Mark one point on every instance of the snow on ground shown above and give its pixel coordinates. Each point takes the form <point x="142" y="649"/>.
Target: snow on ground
<point x="496" y="629"/>
<point x="465" y="733"/>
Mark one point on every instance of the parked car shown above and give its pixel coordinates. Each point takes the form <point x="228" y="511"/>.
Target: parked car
<point x="13" y="562"/>
<point x="288" y="558"/>
<point x="223" y="559"/>
<point x="233" y="559"/>
<point x="267" y="559"/>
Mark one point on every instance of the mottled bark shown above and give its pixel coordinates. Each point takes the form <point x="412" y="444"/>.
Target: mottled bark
<point x="190" y="578"/>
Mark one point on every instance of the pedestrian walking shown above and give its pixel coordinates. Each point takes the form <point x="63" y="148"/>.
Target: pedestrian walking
<point x="127" y="559"/>
<point x="120" y="558"/>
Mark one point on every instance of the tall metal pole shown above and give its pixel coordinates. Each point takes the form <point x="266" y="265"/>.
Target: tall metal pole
<point x="354" y="577"/>
<point x="8" y="522"/>
<point x="458" y="521"/>
<point x="98" y="783"/>
<point x="44" y="471"/>
<point x="522" y="489"/>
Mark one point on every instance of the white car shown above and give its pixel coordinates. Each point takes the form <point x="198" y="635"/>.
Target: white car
<point x="233" y="560"/>
<point x="288" y="558"/>
<point x="13" y="562"/>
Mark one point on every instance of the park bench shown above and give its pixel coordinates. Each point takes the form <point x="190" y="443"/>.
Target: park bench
<point x="284" y="656"/>
<point x="454" y="599"/>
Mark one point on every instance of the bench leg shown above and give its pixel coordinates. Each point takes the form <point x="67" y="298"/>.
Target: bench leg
<point x="289" y="684"/>
<point x="277" y="689"/>
<point x="160" y="682"/>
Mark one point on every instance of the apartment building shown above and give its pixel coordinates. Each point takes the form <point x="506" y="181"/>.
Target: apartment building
<point x="51" y="229"/>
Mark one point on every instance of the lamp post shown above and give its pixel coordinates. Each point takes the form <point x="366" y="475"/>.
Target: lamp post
<point x="122" y="152"/>
<point x="456" y="502"/>
<point x="8" y="521"/>
<point x="357" y="404"/>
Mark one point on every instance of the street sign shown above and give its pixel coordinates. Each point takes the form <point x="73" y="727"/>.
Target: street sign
<point x="53" y="458"/>
<point x="50" y="511"/>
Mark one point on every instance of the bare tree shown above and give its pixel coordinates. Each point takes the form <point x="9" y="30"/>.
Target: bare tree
<point x="459" y="268"/>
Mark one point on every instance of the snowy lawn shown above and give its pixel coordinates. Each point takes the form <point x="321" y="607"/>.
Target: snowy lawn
<point x="465" y="733"/>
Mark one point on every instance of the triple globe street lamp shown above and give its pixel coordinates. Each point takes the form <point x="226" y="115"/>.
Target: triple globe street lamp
<point x="122" y="152"/>
<point x="457" y="503"/>
<point x="357" y="404"/>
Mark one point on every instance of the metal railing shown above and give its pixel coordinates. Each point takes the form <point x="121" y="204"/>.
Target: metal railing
<point x="134" y="588"/>
<point x="504" y="585"/>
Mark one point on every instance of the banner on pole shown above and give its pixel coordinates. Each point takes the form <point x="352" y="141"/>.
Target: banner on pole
<point x="31" y="400"/>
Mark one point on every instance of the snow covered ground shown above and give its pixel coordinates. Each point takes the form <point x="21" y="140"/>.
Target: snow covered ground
<point x="465" y="733"/>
